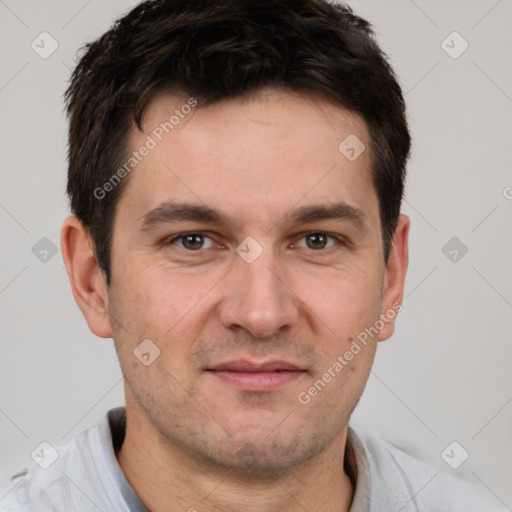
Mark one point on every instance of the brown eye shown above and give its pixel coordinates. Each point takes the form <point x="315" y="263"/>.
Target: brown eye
<point x="190" y="241"/>
<point x="316" y="240"/>
<point x="193" y="242"/>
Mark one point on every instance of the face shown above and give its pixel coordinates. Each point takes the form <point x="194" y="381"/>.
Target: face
<point x="247" y="248"/>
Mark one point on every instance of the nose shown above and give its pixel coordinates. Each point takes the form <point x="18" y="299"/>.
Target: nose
<point x="257" y="297"/>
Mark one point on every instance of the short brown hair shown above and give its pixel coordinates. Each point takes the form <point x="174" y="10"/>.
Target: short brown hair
<point x="213" y="51"/>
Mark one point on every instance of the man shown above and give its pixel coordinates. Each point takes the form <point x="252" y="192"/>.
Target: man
<point x="236" y="171"/>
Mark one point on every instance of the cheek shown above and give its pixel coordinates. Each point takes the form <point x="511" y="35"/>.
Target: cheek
<point x="163" y="306"/>
<point x="344" y="300"/>
<point x="343" y="306"/>
<point x="140" y="302"/>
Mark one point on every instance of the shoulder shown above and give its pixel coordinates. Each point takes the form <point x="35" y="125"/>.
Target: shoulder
<point x="410" y="484"/>
<point x="58" y="481"/>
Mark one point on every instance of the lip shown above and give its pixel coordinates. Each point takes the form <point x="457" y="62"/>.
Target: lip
<point x="257" y="376"/>
<point x="244" y="365"/>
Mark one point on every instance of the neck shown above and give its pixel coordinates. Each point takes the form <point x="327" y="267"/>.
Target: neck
<point x="167" y="478"/>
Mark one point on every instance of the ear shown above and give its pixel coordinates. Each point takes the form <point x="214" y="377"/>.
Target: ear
<point x="394" y="278"/>
<point x="88" y="283"/>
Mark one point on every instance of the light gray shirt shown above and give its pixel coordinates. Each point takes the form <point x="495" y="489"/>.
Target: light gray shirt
<point x="86" y="477"/>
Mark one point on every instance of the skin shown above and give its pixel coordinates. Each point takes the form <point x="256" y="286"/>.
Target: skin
<point x="194" y="441"/>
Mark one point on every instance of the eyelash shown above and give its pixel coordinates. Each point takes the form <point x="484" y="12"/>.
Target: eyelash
<point x="341" y="241"/>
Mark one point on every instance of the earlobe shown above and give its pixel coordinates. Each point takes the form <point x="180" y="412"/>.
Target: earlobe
<point x="394" y="278"/>
<point x="85" y="276"/>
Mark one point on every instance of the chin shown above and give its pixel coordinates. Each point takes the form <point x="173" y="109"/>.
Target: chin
<point x="263" y="454"/>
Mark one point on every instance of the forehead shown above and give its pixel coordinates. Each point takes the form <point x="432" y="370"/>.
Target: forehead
<point x="253" y="158"/>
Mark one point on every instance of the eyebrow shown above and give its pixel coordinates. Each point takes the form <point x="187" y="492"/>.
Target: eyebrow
<point x="171" y="211"/>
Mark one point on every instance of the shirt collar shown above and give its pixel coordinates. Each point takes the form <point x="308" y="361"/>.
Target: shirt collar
<point x="113" y="434"/>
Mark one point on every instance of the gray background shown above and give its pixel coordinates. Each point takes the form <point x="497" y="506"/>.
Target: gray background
<point x="445" y="375"/>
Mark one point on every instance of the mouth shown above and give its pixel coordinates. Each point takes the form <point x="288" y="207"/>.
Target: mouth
<point x="254" y="376"/>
